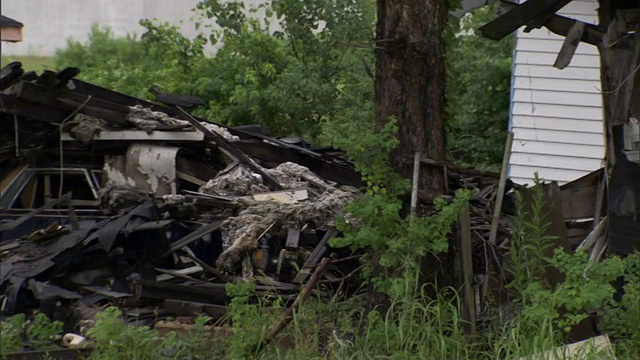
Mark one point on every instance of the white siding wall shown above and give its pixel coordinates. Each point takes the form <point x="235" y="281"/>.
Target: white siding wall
<point x="556" y="115"/>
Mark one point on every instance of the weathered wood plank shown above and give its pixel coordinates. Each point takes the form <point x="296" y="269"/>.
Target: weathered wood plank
<point x="579" y="196"/>
<point x="315" y="256"/>
<point x="570" y="45"/>
<point x="469" y="313"/>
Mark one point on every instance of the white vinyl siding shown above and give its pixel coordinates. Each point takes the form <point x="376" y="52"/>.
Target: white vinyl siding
<point x="556" y="115"/>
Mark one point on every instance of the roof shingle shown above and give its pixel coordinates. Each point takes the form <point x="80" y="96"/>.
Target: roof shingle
<point x="9" y="22"/>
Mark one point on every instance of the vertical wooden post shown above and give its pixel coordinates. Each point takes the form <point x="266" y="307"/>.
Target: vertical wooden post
<point x="501" y="185"/>
<point x="414" y="186"/>
<point x="468" y="294"/>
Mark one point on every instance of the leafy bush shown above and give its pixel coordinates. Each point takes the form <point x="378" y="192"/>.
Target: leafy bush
<point x="11" y="332"/>
<point x="478" y="91"/>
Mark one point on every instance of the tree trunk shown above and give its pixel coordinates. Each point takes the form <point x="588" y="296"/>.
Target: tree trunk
<point x="410" y="82"/>
<point x="410" y="87"/>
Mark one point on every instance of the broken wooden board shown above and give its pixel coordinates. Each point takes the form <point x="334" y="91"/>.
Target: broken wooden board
<point x="570" y="45"/>
<point x="170" y="274"/>
<point x="579" y="196"/>
<point x="315" y="257"/>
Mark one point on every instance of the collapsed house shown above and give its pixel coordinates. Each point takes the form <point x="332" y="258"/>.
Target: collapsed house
<point x="110" y="198"/>
<point x="115" y="196"/>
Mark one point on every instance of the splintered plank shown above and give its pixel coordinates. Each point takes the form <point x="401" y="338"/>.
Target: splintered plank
<point x="315" y="256"/>
<point x="304" y="294"/>
<point x="193" y="236"/>
<point x="570" y="45"/>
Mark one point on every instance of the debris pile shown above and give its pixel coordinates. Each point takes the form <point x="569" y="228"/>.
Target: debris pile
<point x="110" y="199"/>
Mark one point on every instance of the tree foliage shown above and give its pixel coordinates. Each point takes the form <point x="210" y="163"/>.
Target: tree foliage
<point x="301" y="69"/>
<point x="478" y="91"/>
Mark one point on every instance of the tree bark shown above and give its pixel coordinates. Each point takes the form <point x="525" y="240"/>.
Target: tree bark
<point x="410" y="82"/>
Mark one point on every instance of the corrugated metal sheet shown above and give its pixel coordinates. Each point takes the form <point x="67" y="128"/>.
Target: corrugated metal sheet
<point x="556" y="115"/>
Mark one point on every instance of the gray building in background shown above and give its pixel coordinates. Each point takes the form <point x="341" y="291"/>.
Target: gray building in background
<point x="49" y="23"/>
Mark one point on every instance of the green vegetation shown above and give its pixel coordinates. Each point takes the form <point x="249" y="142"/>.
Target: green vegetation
<point x="304" y="80"/>
<point x="31" y="63"/>
<point x="478" y="92"/>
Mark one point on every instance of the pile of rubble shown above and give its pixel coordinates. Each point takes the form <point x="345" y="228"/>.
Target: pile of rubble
<point x="110" y="199"/>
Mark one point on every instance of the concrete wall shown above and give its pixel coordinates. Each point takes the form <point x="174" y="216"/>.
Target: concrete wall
<point x="556" y="115"/>
<point x="49" y="23"/>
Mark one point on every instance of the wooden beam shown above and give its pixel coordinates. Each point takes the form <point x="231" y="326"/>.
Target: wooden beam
<point x="605" y="13"/>
<point x="193" y="236"/>
<point x="570" y="45"/>
<point x="468" y="299"/>
<point x="561" y="25"/>
<point x="12" y="105"/>
<point x="520" y="15"/>
<point x="497" y="210"/>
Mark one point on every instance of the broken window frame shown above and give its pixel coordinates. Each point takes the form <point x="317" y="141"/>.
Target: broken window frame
<point x="16" y="187"/>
